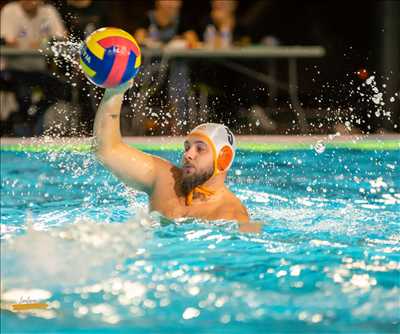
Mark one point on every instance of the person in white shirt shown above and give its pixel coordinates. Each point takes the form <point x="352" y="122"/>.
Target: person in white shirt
<point x="30" y="25"/>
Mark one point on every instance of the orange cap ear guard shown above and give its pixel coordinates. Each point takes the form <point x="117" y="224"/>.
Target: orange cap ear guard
<point x="224" y="159"/>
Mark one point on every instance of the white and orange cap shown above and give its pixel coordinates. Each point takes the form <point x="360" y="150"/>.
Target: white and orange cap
<point x="222" y="142"/>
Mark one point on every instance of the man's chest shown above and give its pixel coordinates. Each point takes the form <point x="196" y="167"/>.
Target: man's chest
<point x="173" y="206"/>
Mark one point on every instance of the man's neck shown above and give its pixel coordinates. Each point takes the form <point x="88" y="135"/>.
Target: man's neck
<point x="209" y="190"/>
<point x="214" y="183"/>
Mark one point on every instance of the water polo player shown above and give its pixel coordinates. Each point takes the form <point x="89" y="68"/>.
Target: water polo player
<point x="196" y="189"/>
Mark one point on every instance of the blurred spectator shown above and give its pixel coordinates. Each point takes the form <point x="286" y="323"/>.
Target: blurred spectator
<point x="222" y="87"/>
<point x="226" y="27"/>
<point x="163" y="26"/>
<point x="30" y="24"/>
<point x="82" y="17"/>
<point x="221" y="28"/>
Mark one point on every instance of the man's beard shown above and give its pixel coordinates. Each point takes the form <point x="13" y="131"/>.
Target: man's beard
<point x="192" y="181"/>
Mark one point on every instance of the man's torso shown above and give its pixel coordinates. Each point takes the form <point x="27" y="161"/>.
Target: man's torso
<point x="167" y="199"/>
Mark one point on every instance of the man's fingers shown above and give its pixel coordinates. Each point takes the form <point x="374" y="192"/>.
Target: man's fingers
<point x="121" y="88"/>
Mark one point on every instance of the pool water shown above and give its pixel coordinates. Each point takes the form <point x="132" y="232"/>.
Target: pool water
<point x="326" y="261"/>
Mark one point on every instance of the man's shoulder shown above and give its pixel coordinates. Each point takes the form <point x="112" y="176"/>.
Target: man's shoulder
<point x="165" y="171"/>
<point x="162" y="165"/>
<point x="232" y="206"/>
<point x="232" y="199"/>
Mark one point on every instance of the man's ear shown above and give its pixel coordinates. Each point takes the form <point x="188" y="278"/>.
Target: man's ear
<point x="224" y="158"/>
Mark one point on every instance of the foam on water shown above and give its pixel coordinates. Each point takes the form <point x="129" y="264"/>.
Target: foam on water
<point x="76" y="254"/>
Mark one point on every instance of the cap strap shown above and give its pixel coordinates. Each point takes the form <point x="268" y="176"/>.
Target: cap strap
<point x="199" y="189"/>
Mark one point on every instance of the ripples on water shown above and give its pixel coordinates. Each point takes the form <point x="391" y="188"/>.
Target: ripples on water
<point x="326" y="260"/>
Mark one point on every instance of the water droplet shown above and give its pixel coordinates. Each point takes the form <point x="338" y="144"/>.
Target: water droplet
<point x="370" y="80"/>
<point x="319" y="147"/>
<point x="190" y="313"/>
<point x="377" y="98"/>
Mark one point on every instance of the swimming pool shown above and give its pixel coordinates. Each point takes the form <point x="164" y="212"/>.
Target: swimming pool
<point x="327" y="260"/>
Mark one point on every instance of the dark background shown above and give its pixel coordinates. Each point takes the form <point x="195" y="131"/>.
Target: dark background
<point x="351" y="31"/>
<point x="357" y="35"/>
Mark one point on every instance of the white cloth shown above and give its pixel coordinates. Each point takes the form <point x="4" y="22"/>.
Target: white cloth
<point x="17" y="26"/>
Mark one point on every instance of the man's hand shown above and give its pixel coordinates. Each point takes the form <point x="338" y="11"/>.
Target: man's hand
<point x="121" y="89"/>
<point x="252" y="227"/>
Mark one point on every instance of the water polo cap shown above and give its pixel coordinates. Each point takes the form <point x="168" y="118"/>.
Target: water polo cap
<point x="222" y="142"/>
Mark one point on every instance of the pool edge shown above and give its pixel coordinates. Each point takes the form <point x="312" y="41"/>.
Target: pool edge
<point x="245" y="143"/>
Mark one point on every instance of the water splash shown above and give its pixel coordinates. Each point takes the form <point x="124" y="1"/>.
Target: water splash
<point x="73" y="255"/>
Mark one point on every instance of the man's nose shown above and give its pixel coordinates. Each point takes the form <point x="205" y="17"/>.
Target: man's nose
<point x="190" y="154"/>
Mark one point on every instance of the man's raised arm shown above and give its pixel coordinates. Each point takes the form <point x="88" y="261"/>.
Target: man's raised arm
<point x="132" y="166"/>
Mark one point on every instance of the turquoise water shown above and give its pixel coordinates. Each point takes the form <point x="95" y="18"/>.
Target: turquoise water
<point x="327" y="259"/>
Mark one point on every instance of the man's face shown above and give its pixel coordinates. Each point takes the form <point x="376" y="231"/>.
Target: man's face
<point x="197" y="163"/>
